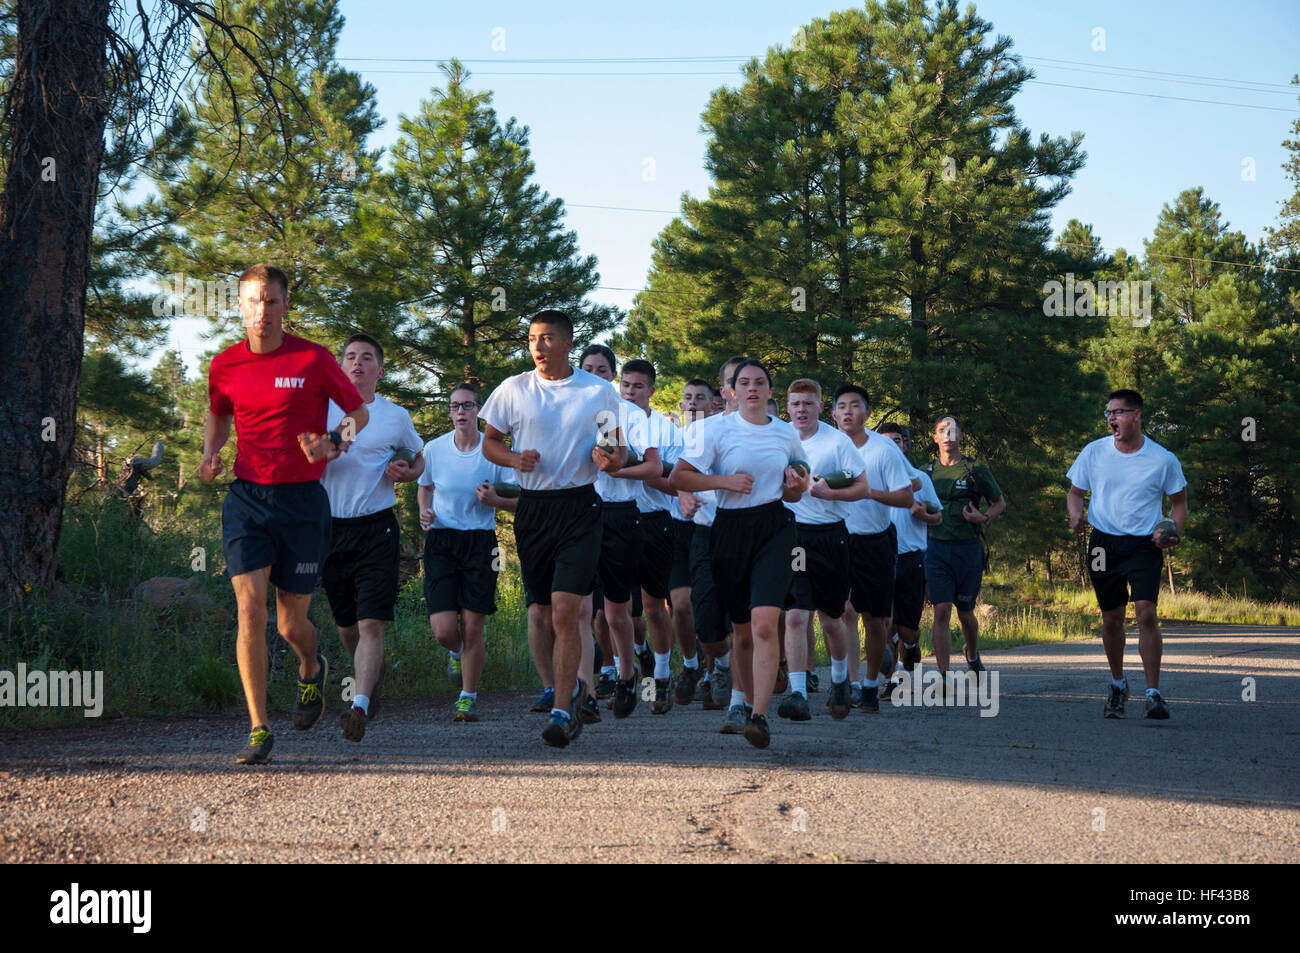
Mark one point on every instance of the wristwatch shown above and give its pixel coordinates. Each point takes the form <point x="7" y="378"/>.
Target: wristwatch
<point x="335" y="437"/>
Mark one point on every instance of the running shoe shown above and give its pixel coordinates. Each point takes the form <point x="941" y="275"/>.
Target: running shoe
<point x="721" y="682"/>
<point x="1156" y="706"/>
<point x="887" y="692"/>
<point x="686" y="685"/>
<point x="353" y="723"/>
<point x="590" y="712"/>
<point x="814" y="684"/>
<point x="663" y="702"/>
<point x="576" y="704"/>
<point x="605" y="686"/>
<point x="466" y="710"/>
<point x="782" y="679"/>
<point x="974" y="664"/>
<point x="556" y="732"/>
<point x="757" y="733"/>
<point x="1116" y="702"/>
<point x="855" y="694"/>
<point x="911" y="655"/>
<point x="453" y="672"/>
<point x="795" y="707"/>
<point x="838" y="703"/>
<point x="310" y="704"/>
<point x="887" y="662"/>
<point x="624" y="697"/>
<point x="258" y="750"/>
<point x="704" y="693"/>
<point x="733" y="723"/>
<point x="646" y="660"/>
<point x="870" y="701"/>
<point x="546" y="702"/>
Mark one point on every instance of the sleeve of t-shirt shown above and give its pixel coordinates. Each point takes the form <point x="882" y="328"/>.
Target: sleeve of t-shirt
<point x="702" y="453"/>
<point x="336" y="385"/>
<point x="426" y="476"/>
<point x="1078" y="474"/>
<point x="1174" y="479"/>
<point x="847" y="457"/>
<point x="896" y="469"/>
<point x="502" y="474"/>
<point x="498" y="411"/>
<point x="987" y="485"/>
<point x="219" y="402"/>
<point x="927" y="491"/>
<point x="635" y="431"/>
<point x="410" y="437"/>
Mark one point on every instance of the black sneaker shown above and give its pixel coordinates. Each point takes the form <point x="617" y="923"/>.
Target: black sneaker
<point x="624" y="697"/>
<point x="576" y="704"/>
<point x="887" y="692"/>
<point x="590" y="713"/>
<point x="646" y="660"/>
<point x="686" y="683"/>
<point x="556" y="732"/>
<point x="975" y="665"/>
<point x="855" y="695"/>
<point x="663" y="702"/>
<point x="311" y="698"/>
<point x="782" y="679"/>
<point x="605" y="686"/>
<point x="258" y="750"/>
<point x="911" y="655"/>
<point x="814" y="684"/>
<point x="353" y="723"/>
<point x="756" y="731"/>
<point x="870" y="700"/>
<point x="1116" y="702"/>
<point x="838" y="703"/>
<point x="795" y="707"/>
<point x="1156" y="706"/>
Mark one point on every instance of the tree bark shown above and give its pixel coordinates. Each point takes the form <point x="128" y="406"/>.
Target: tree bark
<point x="58" y="114"/>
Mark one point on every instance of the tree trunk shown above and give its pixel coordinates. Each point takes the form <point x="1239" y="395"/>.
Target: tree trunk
<point x="58" y="112"/>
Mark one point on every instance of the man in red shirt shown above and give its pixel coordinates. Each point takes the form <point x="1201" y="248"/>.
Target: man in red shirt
<point x="275" y="523"/>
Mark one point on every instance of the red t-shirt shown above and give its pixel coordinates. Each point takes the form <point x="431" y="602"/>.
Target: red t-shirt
<point x="274" y="397"/>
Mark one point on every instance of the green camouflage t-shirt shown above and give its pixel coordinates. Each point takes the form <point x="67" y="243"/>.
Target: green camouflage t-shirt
<point x="955" y="491"/>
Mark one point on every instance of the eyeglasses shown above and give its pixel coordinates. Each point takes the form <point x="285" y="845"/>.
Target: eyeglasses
<point x="467" y="405"/>
<point x="1107" y="414"/>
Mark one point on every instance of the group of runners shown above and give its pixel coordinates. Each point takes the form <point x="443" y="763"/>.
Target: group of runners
<point x="724" y="536"/>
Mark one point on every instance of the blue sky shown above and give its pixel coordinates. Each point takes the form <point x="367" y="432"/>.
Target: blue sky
<point x="593" y="134"/>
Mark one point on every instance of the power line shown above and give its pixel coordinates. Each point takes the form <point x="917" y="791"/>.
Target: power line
<point x="1184" y="99"/>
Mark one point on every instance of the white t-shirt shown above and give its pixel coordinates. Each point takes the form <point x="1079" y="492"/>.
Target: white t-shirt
<point x="355" y="480"/>
<point x="913" y="534"/>
<point x="826" y="451"/>
<point x="1128" y="489"/>
<point x="733" y="445"/>
<point x="559" y="419"/>
<point x="614" y="489"/>
<point x="708" y="499"/>
<point x="887" y="470"/>
<point x="454" y="473"/>
<point x="666" y="437"/>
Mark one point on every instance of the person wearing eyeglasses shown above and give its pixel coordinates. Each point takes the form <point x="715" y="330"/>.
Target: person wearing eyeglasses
<point x="458" y="504"/>
<point x="1128" y="475"/>
<point x="360" y="576"/>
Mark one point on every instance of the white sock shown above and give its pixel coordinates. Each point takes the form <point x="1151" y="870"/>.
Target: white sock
<point x="472" y="696"/>
<point x="723" y="661"/>
<point x="737" y="697"/>
<point x="609" y="670"/>
<point x="1152" y="691"/>
<point x="662" y="669"/>
<point x="1120" y="683"/>
<point x="706" y="677"/>
<point x="455" y="655"/>
<point x="799" y="683"/>
<point x="560" y="711"/>
<point x="839" y="669"/>
<point x="639" y="647"/>
<point x="362" y="702"/>
<point x="857" y="685"/>
<point x="692" y="662"/>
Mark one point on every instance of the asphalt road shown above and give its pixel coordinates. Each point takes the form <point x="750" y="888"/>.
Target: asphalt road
<point x="1046" y="779"/>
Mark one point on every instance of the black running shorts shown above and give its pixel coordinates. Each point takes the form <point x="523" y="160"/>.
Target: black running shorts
<point x="460" y="570"/>
<point x="360" y="575"/>
<point x="871" y="572"/>
<point x="558" y="535"/>
<point x="1124" y="569"/>
<point x="656" y="553"/>
<point x="620" y="550"/>
<point x="909" y="589"/>
<point x="285" y="526"/>
<point x="752" y="550"/>
<point x="821" y="572"/>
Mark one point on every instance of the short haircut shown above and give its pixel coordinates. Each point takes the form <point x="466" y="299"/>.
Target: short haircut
<point x="955" y="422"/>
<point x="890" y="427"/>
<point x="639" y="366"/>
<point x="472" y="387"/>
<point x="265" y="274"/>
<point x="805" y="385"/>
<point x="723" y="377"/>
<point x="364" y="339"/>
<point x="599" y="350"/>
<point x="700" y="382"/>
<point x="552" y="316"/>
<point x="749" y="362"/>
<point x="852" y="389"/>
<point x="1131" y="397"/>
